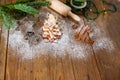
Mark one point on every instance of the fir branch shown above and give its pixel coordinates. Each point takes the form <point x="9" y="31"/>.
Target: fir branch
<point x="7" y="20"/>
<point x="20" y="7"/>
<point x="25" y="8"/>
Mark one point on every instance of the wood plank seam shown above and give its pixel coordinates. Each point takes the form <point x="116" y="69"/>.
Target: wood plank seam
<point x="96" y="61"/>
<point x="49" y="66"/>
<point x="73" y="69"/>
<point x="62" y="67"/>
<point x="5" y="64"/>
<point x="62" y="70"/>
<point x="6" y="56"/>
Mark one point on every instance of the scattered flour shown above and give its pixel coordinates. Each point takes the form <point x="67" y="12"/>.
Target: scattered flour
<point x="17" y="42"/>
<point x="102" y="42"/>
<point x="65" y="45"/>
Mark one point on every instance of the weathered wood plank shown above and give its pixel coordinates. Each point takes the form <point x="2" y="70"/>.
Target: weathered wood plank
<point x="8" y="1"/>
<point x="3" y="52"/>
<point x="13" y="1"/>
<point x="68" y="68"/>
<point x="108" y="50"/>
<point x="5" y="1"/>
<point x="85" y="68"/>
<point x="82" y="59"/>
<point x="41" y="68"/>
<point x="27" y="69"/>
<point x="107" y="45"/>
<point x="74" y="66"/>
<point x="59" y="69"/>
<point x="2" y="2"/>
<point x="18" y="68"/>
<point x="56" y="67"/>
<point x="80" y="69"/>
<point x="52" y="67"/>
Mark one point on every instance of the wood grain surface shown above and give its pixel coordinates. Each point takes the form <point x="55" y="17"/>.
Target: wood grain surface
<point x="2" y="2"/>
<point x="108" y="56"/>
<point x="3" y="52"/>
<point x="107" y="53"/>
<point x="79" y="61"/>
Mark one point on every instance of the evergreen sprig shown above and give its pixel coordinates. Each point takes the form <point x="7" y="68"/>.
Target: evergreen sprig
<point x="20" y="7"/>
<point x="7" y="20"/>
<point x="26" y="8"/>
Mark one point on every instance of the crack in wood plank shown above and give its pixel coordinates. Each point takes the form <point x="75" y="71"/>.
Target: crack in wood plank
<point x="108" y="62"/>
<point x="3" y="52"/>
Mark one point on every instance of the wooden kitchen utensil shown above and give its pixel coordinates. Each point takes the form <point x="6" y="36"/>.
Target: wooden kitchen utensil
<point x="63" y="9"/>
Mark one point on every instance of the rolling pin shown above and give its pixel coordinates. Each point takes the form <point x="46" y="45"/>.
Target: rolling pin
<point x="63" y="9"/>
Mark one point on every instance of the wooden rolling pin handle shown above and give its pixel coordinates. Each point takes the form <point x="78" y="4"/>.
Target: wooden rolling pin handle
<point x="74" y="16"/>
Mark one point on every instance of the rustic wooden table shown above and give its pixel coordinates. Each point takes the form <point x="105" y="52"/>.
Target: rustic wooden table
<point x="79" y="61"/>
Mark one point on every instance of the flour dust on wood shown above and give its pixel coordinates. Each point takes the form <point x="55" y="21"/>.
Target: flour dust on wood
<point x="26" y="39"/>
<point x="102" y="41"/>
<point x="18" y="42"/>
